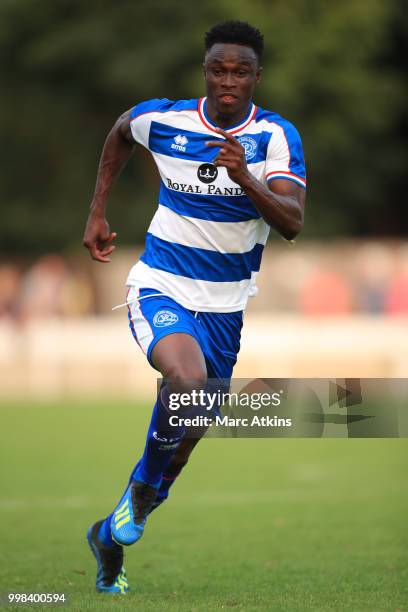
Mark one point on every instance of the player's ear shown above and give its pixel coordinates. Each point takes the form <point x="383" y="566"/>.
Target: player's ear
<point x="258" y="74"/>
<point x="204" y="69"/>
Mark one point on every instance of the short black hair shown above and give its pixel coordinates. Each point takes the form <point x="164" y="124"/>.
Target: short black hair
<point x="236" y="33"/>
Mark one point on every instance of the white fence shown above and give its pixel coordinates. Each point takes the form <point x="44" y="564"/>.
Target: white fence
<point x="98" y="356"/>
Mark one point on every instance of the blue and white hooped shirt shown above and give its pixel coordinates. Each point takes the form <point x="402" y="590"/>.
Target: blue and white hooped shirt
<point x="205" y="242"/>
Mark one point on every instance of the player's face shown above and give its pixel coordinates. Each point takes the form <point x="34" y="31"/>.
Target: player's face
<point x="231" y="73"/>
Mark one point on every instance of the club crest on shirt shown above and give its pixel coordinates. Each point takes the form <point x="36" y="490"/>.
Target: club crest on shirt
<point x="249" y="145"/>
<point x="163" y="318"/>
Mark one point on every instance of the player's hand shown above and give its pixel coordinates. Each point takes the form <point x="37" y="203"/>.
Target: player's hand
<point x="231" y="156"/>
<point x="98" y="238"/>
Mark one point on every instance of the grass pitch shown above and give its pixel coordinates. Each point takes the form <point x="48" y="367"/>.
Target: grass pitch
<point x="265" y="524"/>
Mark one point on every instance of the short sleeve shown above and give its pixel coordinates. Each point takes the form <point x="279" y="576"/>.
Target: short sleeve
<point x="142" y="115"/>
<point x="284" y="159"/>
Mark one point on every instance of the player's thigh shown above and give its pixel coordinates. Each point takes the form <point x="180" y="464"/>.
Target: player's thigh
<point x="179" y="357"/>
<point x="168" y="335"/>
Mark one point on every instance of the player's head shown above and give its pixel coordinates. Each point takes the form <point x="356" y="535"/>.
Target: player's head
<point x="236" y="33"/>
<point x="232" y="65"/>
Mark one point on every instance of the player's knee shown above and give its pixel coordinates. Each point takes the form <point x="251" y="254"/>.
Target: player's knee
<point x="186" y="378"/>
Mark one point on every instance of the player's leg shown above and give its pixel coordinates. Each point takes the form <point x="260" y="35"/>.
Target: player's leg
<point x="178" y="461"/>
<point x="180" y="360"/>
<point x="219" y="337"/>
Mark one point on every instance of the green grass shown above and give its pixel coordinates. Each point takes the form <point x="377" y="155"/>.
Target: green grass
<point x="266" y="524"/>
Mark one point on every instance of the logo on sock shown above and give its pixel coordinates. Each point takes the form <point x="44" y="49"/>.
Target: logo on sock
<point x="163" y="318"/>
<point x="170" y="443"/>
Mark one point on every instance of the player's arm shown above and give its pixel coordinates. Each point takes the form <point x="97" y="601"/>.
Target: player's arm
<point x="116" y="152"/>
<point x="281" y="204"/>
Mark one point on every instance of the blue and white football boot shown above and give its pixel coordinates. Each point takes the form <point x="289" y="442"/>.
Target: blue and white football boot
<point x="129" y="517"/>
<point x="111" y="575"/>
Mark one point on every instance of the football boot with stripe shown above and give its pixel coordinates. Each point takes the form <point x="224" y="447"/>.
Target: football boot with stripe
<point x="129" y="517"/>
<point x="111" y="575"/>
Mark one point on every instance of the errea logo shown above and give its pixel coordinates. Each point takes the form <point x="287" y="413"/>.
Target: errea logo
<point x="179" y="143"/>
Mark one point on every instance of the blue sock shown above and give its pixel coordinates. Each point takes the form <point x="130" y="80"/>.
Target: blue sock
<point x="104" y="533"/>
<point x="161" y="444"/>
<point x="163" y="492"/>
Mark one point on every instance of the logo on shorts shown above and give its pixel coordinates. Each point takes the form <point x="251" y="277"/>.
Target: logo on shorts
<point x="249" y="145"/>
<point x="207" y="173"/>
<point x="163" y="318"/>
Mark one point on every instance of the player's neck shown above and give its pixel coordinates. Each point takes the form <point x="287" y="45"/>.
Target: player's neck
<point x="223" y="120"/>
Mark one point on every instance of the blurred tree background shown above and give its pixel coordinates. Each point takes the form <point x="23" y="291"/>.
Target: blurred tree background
<point x="336" y="69"/>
